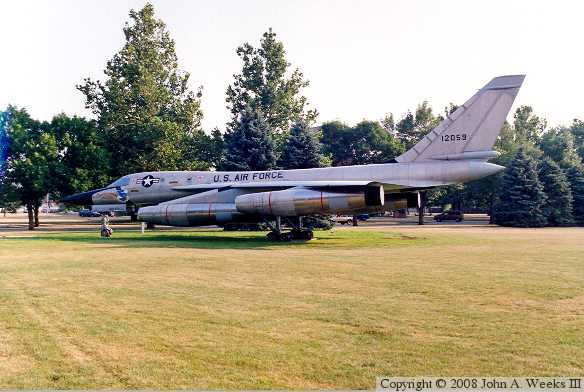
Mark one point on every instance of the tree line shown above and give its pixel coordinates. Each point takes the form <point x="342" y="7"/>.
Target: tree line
<point x="147" y="119"/>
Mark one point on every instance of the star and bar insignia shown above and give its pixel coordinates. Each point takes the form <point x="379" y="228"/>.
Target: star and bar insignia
<point x="148" y="181"/>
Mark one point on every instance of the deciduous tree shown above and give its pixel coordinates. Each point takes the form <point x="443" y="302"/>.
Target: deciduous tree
<point x="412" y="127"/>
<point x="33" y="161"/>
<point x="365" y="143"/>
<point x="145" y="109"/>
<point x="83" y="159"/>
<point x="559" y="144"/>
<point x="267" y="83"/>
<point x="528" y="127"/>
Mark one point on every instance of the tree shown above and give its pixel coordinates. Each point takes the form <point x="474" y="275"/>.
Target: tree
<point x="577" y="129"/>
<point x="528" y="127"/>
<point x="302" y="150"/>
<point x="265" y="83"/>
<point x="336" y="137"/>
<point x="559" y="145"/>
<point x="388" y="123"/>
<point x="453" y="195"/>
<point x="411" y="128"/>
<point x="209" y="149"/>
<point x="83" y="160"/>
<point x="522" y="199"/>
<point x="365" y="143"/>
<point x="5" y="120"/>
<point x="8" y="197"/>
<point x="248" y="144"/>
<point x="146" y="112"/>
<point x="371" y="144"/>
<point x="575" y="176"/>
<point x="32" y="162"/>
<point x="558" y="205"/>
<point x="405" y="130"/>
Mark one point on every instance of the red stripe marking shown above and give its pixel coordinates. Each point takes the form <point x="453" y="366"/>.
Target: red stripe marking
<point x="321" y="201"/>
<point x="210" y="210"/>
<point x="270" y="202"/>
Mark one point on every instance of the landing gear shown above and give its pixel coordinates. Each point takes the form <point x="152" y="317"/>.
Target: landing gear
<point x="305" y="235"/>
<point x="282" y="237"/>
<point x="297" y="233"/>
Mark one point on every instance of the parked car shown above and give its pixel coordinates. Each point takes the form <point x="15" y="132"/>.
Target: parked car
<point x="450" y="216"/>
<point x="343" y="219"/>
<point x="363" y="217"/>
<point x="89" y="214"/>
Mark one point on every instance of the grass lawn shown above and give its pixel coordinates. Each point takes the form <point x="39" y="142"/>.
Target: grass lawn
<point x="207" y="309"/>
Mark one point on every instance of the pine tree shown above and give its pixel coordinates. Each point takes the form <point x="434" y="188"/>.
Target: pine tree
<point x="249" y="145"/>
<point x="558" y="206"/>
<point x="522" y="198"/>
<point x="301" y="150"/>
<point x="575" y="176"/>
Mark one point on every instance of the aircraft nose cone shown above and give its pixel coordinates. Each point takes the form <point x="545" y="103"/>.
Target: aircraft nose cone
<point x="81" y="199"/>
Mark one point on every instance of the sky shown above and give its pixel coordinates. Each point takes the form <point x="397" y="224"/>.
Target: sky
<point x="363" y="58"/>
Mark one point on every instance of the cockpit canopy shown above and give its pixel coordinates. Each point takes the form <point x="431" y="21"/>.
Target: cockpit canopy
<point x="122" y="181"/>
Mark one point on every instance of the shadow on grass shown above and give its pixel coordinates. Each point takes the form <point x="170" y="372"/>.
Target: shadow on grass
<point x="215" y="239"/>
<point x="198" y="240"/>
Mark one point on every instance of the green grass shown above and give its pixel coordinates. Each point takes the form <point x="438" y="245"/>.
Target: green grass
<point x="208" y="309"/>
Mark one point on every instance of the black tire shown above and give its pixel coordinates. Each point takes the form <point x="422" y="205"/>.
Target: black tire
<point x="286" y="237"/>
<point x="308" y="235"/>
<point x="350" y="222"/>
<point x="297" y="234"/>
<point x="272" y="236"/>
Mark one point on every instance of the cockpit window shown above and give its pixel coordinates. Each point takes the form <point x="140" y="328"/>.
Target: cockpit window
<point x="121" y="182"/>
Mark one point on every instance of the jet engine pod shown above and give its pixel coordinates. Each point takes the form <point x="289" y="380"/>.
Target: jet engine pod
<point x="307" y="201"/>
<point x="194" y="214"/>
<point x="402" y="201"/>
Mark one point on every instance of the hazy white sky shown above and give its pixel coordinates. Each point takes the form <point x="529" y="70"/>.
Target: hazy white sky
<point x="363" y="58"/>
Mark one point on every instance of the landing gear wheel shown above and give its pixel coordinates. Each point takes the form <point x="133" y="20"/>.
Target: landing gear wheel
<point x="305" y="235"/>
<point x="273" y="236"/>
<point x="286" y="237"/>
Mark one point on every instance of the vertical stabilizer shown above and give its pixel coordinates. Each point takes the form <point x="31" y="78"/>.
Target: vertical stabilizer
<point x="471" y="131"/>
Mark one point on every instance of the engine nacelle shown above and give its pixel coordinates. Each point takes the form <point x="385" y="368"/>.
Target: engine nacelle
<point x="403" y="201"/>
<point x="306" y="201"/>
<point x="194" y="214"/>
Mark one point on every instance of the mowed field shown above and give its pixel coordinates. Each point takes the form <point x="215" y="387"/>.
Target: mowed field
<point x="208" y="309"/>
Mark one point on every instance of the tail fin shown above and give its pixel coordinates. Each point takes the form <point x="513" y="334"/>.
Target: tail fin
<point x="470" y="131"/>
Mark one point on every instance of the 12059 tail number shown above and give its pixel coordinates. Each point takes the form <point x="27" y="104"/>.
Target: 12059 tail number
<point x="458" y="137"/>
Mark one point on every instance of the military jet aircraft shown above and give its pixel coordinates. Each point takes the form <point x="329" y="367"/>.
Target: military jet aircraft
<point x="456" y="151"/>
